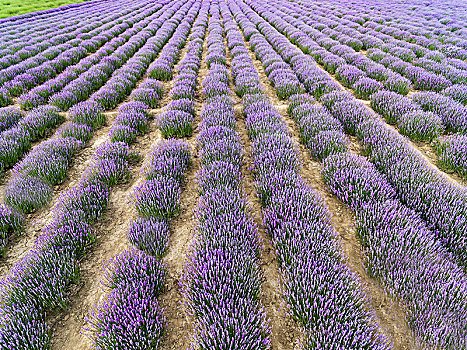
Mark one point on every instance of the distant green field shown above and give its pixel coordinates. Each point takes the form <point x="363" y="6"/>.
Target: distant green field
<point x="10" y="8"/>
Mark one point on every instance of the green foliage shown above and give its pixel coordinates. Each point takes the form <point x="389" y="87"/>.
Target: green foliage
<point x="10" y="8"/>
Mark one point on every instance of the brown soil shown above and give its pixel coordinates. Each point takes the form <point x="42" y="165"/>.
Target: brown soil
<point x="390" y="314"/>
<point x="427" y="151"/>
<point x="285" y="332"/>
<point x="179" y="323"/>
<point x="111" y="240"/>
<point x="424" y="150"/>
<point x="19" y="245"/>
<point x="110" y="231"/>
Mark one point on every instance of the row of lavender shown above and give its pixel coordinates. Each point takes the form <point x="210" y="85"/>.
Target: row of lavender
<point x="24" y="39"/>
<point x="38" y="283"/>
<point x="424" y="117"/>
<point x="443" y="208"/>
<point x="400" y="50"/>
<point x="177" y="119"/>
<point x="365" y="77"/>
<point x="131" y="315"/>
<point x="321" y="292"/>
<point x="15" y="141"/>
<point x="21" y="77"/>
<point x="222" y="278"/>
<point x="46" y="165"/>
<point x="136" y="277"/>
<point x="358" y="183"/>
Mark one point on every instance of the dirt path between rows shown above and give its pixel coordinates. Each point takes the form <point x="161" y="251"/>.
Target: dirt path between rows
<point x="20" y="244"/>
<point x="111" y="231"/>
<point x="390" y="314"/>
<point x="179" y="323"/>
<point x="285" y="332"/>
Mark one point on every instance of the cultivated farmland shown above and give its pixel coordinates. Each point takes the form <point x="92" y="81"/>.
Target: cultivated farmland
<point x="234" y="174"/>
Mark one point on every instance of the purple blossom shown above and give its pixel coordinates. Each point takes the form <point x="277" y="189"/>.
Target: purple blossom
<point x="420" y="125"/>
<point x="451" y="152"/>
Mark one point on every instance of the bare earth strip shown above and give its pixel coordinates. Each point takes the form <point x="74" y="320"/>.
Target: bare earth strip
<point x="390" y="314"/>
<point x="179" y="323"/>
<point x="111" y="232"/>
<point x="21" y="244"/>
<point x="284" y="330"/>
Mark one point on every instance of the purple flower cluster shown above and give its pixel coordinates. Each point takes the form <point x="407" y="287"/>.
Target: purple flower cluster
<point x="175" y="123"/>
<point x="88" y="113"/>
<point x="396" y="240"/>
<point x="130" y="316"/>
<point x="222" y="280"/>
<point x="451" y="152"/>
<point x="11" y="221"/>
<point x="242" y="69"/>
<point x="178" y="118"/>
<point x="16" y="141"/>
<point x="347" y="110"/>
<point x="365" y="87"/>
<point x="454" y="75"/>
<point x="451" y="334"/>
<point x="38" y="121"/>
<point x="49" y="160"/>
<point x="392" y="80"/>
<point x="5" y="98"/>
<point x="424" y="80"/>
<point x="109" y="164"/>
<point x="47" y="164"/>
<point x="216" y="49"/>
<point x="420" y="125"/>
<point x="9" y="117"/>
<point x="392" y="106"/>
<point x="321" y="133"/>
<point x="349" y="74"/>
<point x="81" y="132"/>
<point x="149" y="92"/>
<point x="34" y="176"/>
<point x="355" y="180"/>
<point x="457" y="92"/>
<point x="404" y="255"/>
<point x="453" y="113"/>
<point x="132" y="120"/>
<point x="150" y="235"/>
<point x="318" y="286"/>
<point x="158" y="197"/>
<point x="13" y="144"/>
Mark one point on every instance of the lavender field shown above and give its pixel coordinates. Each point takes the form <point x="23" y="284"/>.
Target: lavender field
<point x="234" y="175"/>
